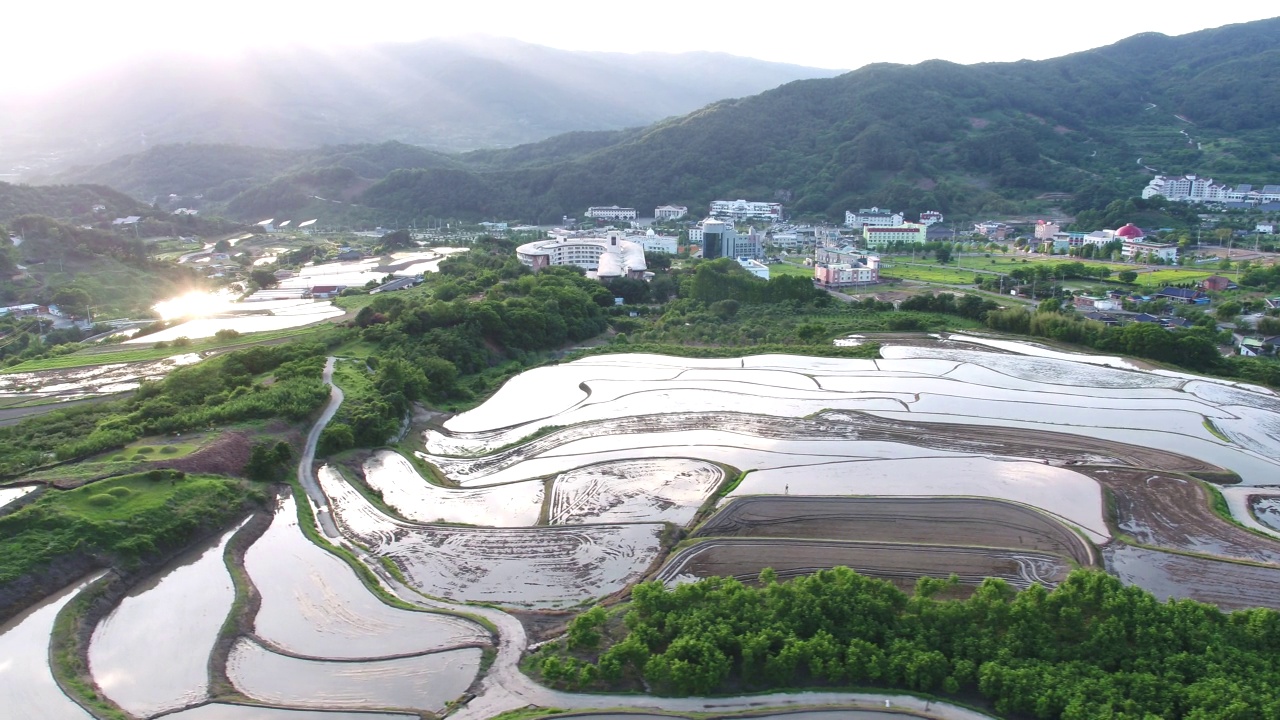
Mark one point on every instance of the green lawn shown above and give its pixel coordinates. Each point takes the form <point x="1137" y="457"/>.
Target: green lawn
<point x="787" y="268"/>
<point x="925" y="273"/>
<point x="1160" y="278"/>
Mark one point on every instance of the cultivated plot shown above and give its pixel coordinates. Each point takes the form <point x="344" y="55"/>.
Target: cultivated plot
<point x="744" y="558"/>
<point x="313" y="604"/>
<point x="926" y="521"/>
<point x="404" y="489"/>
<point x="223" y="711"/>
<point x="1064" y="493"/>
<point x="1170" y="511"/>
<point x="26" y="680"/>
<point x="650" y="490"/>
<point x="423" y="682"/>
<point x="1230" y="586"/>
<point x="151" y="653"/>
<point x="532" y="567"/>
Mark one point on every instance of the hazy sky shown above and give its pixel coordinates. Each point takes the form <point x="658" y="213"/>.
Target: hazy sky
<point x="50" y="41"/>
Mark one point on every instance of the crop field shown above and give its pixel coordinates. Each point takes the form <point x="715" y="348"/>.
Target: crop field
<point x="1267" y="510"/>
<point x="902" y="564"/>
<point x="176" y="617"/>
<point x="537" y="567"/>
<point x="313" y="605"/>
<point x="650" y="490"/>
<point x="941" y="274"/>
<point x="404" y="489"/>
<point x="423" y="682"/>
<point x="220" y="711"/>
<point x="923" y="521"/>
<point x="1172" y="276"/>
<point x="1164" y="510"/>
<point x="1230" y="586"/>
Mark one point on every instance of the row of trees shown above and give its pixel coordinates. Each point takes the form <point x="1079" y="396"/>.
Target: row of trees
<point x="1090" y="648"/>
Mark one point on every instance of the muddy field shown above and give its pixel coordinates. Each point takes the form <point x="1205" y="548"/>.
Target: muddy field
<point x="1230" y="586"/>
<point x="1266" y="509"/>
<point x="924" y="521"/>
<point x="1058" y="448"/>
<point x="1174" y="512"/>
<point x="525" y="567"/>
<point x="651" y="490"/>
<point x="902" y="564"/>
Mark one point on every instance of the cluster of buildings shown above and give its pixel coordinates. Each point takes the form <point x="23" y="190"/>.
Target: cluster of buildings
<point x="843" y="267"/>
<point x="1196" y="189"/>
<point x="616" y="254"/>
<point x="881" y="228"/>
<point x="1134" y="245"/>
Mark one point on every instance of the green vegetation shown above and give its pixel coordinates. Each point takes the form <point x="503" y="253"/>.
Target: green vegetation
<point x="1089" y="648"/>
<point x="218" y="391"/>
<point x="125" y="519"/>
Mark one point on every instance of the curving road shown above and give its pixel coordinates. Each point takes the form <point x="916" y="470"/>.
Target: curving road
<point x="505" y="688"/>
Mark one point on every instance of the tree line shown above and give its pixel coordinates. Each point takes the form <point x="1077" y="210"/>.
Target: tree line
<point x="1090" y="648"/>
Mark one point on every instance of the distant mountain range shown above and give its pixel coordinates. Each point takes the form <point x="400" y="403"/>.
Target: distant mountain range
<point x="441" y="94"/>
<point x="1081" y="129"/>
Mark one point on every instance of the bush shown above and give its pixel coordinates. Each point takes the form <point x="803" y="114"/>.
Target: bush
<point x="168" y="450"/>
<point x="227" y="334"/>
<point x="120" y="492"/>
<point x="101" y="500"/>
<point x="147" y="450"/>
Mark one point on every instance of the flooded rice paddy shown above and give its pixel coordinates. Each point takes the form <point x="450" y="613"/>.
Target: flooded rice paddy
<point x="9" y="494"/>
<point x="221" y="711"/>
<point x="1267" y="510"/>
<point x="26" y="682"/>
<point x="401" y="486"/>
<point x="423" y="682"/>
<point x="81" y="382"/>
<point x="151" y="653"/>
<point x="312" y="603"/>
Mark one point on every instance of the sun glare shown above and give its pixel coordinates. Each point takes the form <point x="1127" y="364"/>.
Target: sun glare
<point x="193" y="305"/>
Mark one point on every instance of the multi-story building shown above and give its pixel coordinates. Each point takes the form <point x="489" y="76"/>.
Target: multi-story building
<point x="745" y="210"/>
<point x="670" y="212"/>
<point x="876" y="237"/>
<point x="653" y="242"/>
<point x="719" y="239"/>
<point x="1142" y="250"/>
<point x="612" y="212"/>
<point x="1046" y="230"/>
<point x="755" y="267"/>
<point x="873" y="216"/>
<point x="605" y="257"/>
<point x="1193" y="188"/>
<point x="858" y="271"/>
<point x="929" y="217"/>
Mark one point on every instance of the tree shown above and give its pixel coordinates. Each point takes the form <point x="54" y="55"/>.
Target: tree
<point x="943" y="253"/>
<point x="1227" y="310"/>
<point x="1127" y="276"/>
<point x="73" y="301"/>
<point x="264" y="278"/>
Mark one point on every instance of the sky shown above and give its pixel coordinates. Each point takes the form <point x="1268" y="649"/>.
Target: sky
<point x="50" y="42"/>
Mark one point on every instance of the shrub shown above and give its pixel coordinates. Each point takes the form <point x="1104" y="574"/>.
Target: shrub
<point x="101" y="500"/>
<point x="168" y="450"/>
<point x="120" y="492"/>
<point x="146" y="450"/>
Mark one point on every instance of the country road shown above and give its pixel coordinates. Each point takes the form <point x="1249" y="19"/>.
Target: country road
<point x="504" y="687"/>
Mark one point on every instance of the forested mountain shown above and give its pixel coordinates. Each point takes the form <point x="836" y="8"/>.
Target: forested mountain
<point x="69" y="202"/>
<point x="442" y="94"/>
<point x="937" y="135"/>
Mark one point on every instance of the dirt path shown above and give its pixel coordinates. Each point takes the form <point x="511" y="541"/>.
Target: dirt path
<point x="306" y="469"/>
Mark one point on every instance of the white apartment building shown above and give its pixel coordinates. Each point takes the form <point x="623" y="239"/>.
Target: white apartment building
<point x="670" y="212"/>
<point x="745" y="210"/>
<point x="1193" y="188"/>
<point x="612" y="212"/>
<point x="874" y="217"/>
<point x="929" y="217"/>
<point x="881" y="236"/>
<point x="653" y="242"/>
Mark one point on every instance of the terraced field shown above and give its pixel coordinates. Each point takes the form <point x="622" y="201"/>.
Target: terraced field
<point x="925" y="521"/>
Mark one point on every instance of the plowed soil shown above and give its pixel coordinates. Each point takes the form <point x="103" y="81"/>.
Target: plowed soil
<point x="744" y="558"/>
<point x="1169" y="511"/>
<point x="925" y="521"/>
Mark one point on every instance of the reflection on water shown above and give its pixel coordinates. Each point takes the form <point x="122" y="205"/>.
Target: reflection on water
<point x="152" y="652"/>
<point x="27" y="688"/>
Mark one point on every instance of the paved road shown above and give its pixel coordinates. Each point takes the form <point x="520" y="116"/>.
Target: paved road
<point x="306" y="474"/>
<point x="505" y="688"/>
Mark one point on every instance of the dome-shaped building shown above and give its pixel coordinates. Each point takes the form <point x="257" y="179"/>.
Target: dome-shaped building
<point x="1129" y="232"/>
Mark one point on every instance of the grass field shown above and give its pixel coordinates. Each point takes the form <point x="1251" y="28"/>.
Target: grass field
<point x="1160" y="278"/>
<point x="925" y="273"/>
<point x="787" y="268"/>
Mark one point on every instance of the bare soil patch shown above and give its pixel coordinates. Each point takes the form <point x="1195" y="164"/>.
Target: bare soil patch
<point x="744" y="558"/>
<point x="1230" y="586"/>
<point x="925" y="521"/>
